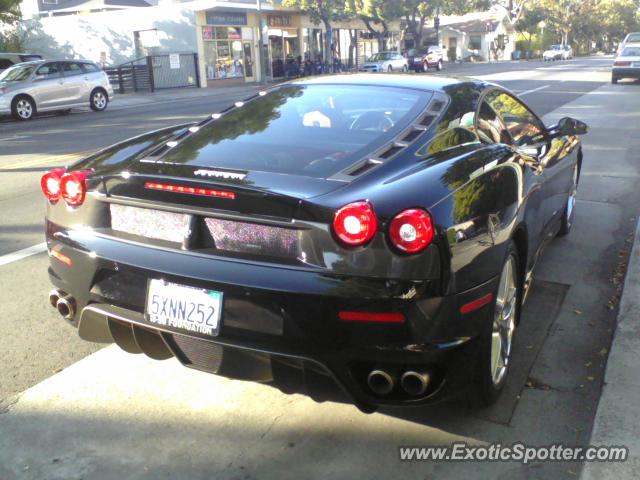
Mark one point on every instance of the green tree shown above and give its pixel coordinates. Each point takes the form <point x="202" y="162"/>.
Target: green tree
<point x="9" y="16"/>
<point x="529" y="23"/>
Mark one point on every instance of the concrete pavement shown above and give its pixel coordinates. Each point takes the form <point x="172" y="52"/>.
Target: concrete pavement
<point x="113" y="415"/>
<point x="617" y="421"/>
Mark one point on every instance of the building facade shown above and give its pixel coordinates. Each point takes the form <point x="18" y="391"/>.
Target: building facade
<point x="267" y="42"/>
<point x="476" y="36"/>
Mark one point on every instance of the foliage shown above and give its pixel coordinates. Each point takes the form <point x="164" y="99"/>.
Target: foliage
<point x="584" y="21"/>
<point x="529" y="24"/>
<point x="9" y="15"/>
<point x="320" y="11"/>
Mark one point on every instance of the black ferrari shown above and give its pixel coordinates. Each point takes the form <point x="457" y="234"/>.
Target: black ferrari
<point x="369" y="234"/>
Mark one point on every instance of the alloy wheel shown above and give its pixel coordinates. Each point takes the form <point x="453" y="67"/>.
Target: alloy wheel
<point x="504" y="321"/>
<point x="24" y="109"/>
<point x="99" y="100"/>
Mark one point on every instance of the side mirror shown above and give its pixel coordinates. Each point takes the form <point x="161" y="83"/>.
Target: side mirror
<point x="568" y="126"/>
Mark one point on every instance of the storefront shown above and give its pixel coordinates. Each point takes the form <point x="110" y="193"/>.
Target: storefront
<point x="231" y="52"/>
<point x="228" y="50"/>
<point x="283" y="33"/>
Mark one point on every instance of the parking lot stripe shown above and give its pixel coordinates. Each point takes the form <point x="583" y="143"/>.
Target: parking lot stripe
<point x="24" y="253"/>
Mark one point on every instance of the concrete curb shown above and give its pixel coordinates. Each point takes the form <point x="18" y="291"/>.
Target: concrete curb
<point x="617" y="420"/>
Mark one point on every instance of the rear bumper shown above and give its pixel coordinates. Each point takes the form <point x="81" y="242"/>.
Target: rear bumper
<point x="281" y="324"/>
<point x="626" y="72"/>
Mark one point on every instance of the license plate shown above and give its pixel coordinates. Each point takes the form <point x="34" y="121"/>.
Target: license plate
<point x="193" y="310"/>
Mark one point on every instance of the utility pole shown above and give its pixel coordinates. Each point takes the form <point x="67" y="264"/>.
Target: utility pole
<point x="263" y="51"/>
<point x="436" y="24"/>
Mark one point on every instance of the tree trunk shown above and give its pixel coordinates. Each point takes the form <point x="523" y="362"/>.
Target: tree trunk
<point x="328" y="40"/>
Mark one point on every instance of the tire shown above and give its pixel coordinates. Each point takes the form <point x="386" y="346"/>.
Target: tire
<point x="569" y="208"/>
<point x="389" y="68"/>
<point x="614" y="80"/>
<point x="440" y="66"/>
<point x="492" y="363"/>
<point x="98" y="100"/>
<point x="23" y="108"/>
<point x="425" y="67"/>
<point x="65" y="112"/>
<point x="405" y="69"/>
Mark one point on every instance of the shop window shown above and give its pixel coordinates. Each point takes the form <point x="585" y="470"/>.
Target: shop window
<point x="223" y="52"/>
<point x="475" y="42"/>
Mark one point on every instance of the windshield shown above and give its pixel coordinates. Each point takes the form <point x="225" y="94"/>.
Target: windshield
<point x="556" y="47"/>
<point x="313" y="130"/>
<point x="378" y="57"/>
<point x="631" y="52"/>
<point x="17" y="73"/>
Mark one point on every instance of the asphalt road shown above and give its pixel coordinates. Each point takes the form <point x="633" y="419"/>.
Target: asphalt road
<point x="55" y="140"/>
<point x="36" y="343"/>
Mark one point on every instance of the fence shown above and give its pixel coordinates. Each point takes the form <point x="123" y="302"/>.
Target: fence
<point x="154" y="72"/>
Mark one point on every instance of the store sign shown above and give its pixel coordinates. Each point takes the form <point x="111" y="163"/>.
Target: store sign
<point x="279" y="20"/>
<point x="226" y="18"/>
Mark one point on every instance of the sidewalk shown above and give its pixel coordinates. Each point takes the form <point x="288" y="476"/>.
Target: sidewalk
<point x="617" y="421"/>
<point x="130" y="100"/>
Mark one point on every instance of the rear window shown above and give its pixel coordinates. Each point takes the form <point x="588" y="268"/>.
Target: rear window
<point x="631" y="52"/>
<point x="313" y="130"/>
<point x="633" y="37"/>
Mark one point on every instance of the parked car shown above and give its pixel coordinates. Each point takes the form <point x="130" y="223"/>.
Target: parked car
<point x="633" y="37"/>
<point x="558" y="52"/>
<point x="53" y="85"/>
<point x="373" y="233"/>
<point x="433" y="57"/>
<point x="385" y="62"/>
<point x="9" y="59"/>
<point x="627" y="64"/>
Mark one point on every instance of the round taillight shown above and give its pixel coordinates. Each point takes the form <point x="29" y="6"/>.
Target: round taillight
<point x="73" y="187"/>
<point x="355" y="224"/>
<point x="50" y="183"/>
<point x="411" y="230"/>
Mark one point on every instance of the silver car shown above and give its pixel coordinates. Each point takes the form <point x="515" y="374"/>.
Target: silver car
<point x="385" y="62"/>
<point x="627" y="64"/>
<point x="53" y="85"/>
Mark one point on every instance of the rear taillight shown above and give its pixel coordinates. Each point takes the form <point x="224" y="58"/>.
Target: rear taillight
<point x="371" y="317"/>
<point x="355" y="224"/>
<point x="50" y="183"/>
<point x="620" y="63"/>
<point x="73" y="187"/>
<point x="411" y="230"/>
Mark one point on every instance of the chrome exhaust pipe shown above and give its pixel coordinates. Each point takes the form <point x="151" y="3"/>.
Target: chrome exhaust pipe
<point x="66" y="307"/>
<point x="54" y="296"/>
<point x="381" y="382"/>
<point x="415" y="383"/>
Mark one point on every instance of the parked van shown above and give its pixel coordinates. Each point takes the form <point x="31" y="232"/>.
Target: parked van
<point x="9" y="59"/>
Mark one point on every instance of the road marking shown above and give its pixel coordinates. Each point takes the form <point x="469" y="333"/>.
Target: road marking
<point x="527" y="92"/>
<point x="15" y="137"/>
<point x="44" y="161"/>
<point x="24" y="253"/>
